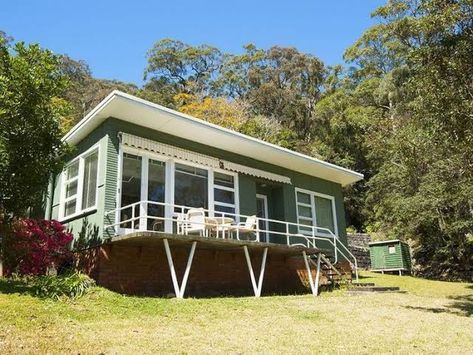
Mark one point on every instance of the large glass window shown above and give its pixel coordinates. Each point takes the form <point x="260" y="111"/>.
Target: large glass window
<point x="315" y="210"/>
<point x="90" y="180"/>
<point x="156" y="193"/>
<point x="80" y="184"/>
<point x="71" y="185"/>
<point x="191" y="186"/>
<point x="224" y="194"/>
<point x="130" y="190"/>
<point x="305" y="213"/>
<point x="324" y="213"/>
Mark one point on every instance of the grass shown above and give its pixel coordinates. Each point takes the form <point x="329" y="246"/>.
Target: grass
<point x="433" y="317"/>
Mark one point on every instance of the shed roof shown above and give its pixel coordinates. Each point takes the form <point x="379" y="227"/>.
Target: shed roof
<point x="386" y="242"/>
<point x="150" y="115"/>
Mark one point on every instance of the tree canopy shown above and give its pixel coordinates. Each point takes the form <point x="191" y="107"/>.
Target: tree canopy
<point x="30" y="114"/>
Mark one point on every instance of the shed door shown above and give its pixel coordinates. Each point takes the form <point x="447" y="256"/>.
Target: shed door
<point x="379" y="259"/>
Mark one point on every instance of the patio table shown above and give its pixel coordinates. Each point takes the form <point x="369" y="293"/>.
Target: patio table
<point x="219" y="223"/>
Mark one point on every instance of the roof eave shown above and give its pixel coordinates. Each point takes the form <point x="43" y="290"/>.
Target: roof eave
<point x="99" y="113"/>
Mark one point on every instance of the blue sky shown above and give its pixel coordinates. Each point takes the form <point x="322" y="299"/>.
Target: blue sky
<point x="114" y="36"/>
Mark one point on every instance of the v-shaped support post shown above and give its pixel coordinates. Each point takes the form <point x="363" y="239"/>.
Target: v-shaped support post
<point x="179" y="290"/>
<point x="314" y="284"/>
<point x="257" y="286"/>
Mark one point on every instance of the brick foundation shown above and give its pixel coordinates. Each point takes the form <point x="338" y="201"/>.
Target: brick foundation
<point x="143" y="270"/>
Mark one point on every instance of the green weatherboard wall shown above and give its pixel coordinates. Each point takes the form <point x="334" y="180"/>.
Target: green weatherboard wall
<point x="390" y="255"/>
<point x="282" y="198"/>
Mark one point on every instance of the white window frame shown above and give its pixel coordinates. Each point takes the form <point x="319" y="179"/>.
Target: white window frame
<point x="235" y="204"/>
<point x="80" y="185"/>
<point x="312" y="194"/>
<point x="170" y="164"/>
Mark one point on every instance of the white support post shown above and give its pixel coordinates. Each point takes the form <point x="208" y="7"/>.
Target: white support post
<point x="336" y="249"/>
<point x="143" y="205"/>
<point x="256" y="287"/>
<point x="179" y="291"/>
<point x="169" y="197"/>
<point x="287" y="234"/>
<point x="314" y="285"/>
<point x="257" y="230"/>
<point x="317" y="275"/>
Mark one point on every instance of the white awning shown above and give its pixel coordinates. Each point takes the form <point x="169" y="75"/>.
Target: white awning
<point x="255" y="172"/>
<point x="187" y="155"/>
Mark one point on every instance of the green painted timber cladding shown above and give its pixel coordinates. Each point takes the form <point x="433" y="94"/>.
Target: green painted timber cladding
<point x="90" y="225"/>
<point x="382" y="259"/>
<point x="282" y="200"/>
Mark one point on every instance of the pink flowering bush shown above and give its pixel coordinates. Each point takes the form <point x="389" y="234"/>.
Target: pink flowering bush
<point x="35" y="245"/>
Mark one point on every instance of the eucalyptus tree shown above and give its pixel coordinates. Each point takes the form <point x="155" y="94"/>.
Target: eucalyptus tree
<point x="182" y="67"/>
<point x="30" y="135"/>
<point x="423" y="189"/>
<point x="280" y="83"/>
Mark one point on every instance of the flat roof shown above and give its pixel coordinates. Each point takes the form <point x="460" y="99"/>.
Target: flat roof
<point x="156" y="117"/>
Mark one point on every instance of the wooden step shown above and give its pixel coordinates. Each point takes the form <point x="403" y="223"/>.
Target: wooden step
<point x="360" y="284"/>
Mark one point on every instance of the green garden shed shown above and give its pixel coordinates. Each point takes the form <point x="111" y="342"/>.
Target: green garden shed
<point x="390" y="255"/>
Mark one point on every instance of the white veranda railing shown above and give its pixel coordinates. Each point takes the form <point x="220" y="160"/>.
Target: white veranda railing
<point x="170" y="218"/>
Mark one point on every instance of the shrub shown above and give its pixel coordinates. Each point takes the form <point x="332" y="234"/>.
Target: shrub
<point x="36" y="245"/>
<point x="71" y="285"/>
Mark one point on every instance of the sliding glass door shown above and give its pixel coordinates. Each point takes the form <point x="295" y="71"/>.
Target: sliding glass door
<point x="156" y="193"/>
<point x="191" y="186"/>
<point x="143" y="179"/>
<point x="156" y="183"/>
<point x="130" y="190"/>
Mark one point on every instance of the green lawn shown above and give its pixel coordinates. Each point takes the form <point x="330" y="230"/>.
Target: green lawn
<point x="433" y="317"/>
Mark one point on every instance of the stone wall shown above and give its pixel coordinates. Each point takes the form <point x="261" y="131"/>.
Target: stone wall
<point x="358" y="245"/>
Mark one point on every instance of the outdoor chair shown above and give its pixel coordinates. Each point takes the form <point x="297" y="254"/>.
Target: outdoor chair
<point x="180" y="222"/>
<point x="195" y="222"/>
<point x="247" y="228"/>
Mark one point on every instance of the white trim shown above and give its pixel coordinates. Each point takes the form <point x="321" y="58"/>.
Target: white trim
<point x="210" y="192"/>
<point x="78" y="196"/>
<point x="169" y="194"/>
<point x="312" y="194"/>
<point x="255" y="172"/>
<point x="118" y="201"/>
<point x="144" y="192"/>
<point x="223" y="204"/>
<point x="147" y="114"/>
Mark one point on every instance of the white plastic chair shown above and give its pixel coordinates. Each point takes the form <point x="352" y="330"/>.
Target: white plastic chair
<point x="247" y="227"/>
<point x="195" y="222"/>
<point x="180" y="222"/>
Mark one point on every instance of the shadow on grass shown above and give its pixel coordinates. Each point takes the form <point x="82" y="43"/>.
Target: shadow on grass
<point x="461" y="306"/>
<point x="9" y="286"/>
